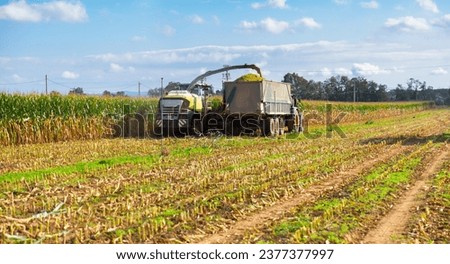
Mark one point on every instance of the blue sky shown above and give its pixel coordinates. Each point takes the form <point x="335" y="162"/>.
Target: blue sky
<point x="112" y="45"/>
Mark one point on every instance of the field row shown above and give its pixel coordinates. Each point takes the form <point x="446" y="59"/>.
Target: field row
<point x="347" y="214"/>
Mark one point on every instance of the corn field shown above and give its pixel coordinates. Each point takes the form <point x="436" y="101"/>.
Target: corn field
<point x="27" y="119"/>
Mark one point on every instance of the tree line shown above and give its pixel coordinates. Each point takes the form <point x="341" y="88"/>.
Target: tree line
<point x="359" y="89"/>
<point x="356" y="89"/>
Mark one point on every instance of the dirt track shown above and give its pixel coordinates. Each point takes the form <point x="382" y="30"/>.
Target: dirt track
<point x="394" y="223"/>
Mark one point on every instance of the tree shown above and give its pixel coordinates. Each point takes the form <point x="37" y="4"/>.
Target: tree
<point x="155" y="92"/>
<point x="331" y="87"/>
<point x="382" y="94"/>
<point x="77" y="91"/>
<point x="447" y="100"/>
<point x="121" y="94"/>
<point x="55" y="93"/>
<point x="106" y="93"/>
<point x="337" y="88"/>
<point x="362" y="89"/>
<point x="299" y="86"/>
<point x="401" y="94"/>
<point x="413" y="87"/>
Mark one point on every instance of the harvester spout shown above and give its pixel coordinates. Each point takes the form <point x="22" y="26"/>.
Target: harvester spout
<point x="228" y="68"/>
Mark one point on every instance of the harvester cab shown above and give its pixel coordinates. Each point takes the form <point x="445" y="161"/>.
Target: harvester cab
<point x="177" y="110"/>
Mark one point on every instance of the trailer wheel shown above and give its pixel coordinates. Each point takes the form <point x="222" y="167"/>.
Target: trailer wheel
<point x="270" y="127"/>
<point x="277" y="126"/>
<point x="281" y="126"/>
<point x="297" y="122"/>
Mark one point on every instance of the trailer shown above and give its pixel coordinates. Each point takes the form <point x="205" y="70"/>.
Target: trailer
<point x="264" y="107"/>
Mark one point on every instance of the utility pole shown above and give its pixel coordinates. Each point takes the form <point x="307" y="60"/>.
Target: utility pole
<point x="46" y="84"/>
<point x="226" y="75"/>
<point x="162" y="117"/>
<point x="139" y="89"/>
<point x="354" y="93"/>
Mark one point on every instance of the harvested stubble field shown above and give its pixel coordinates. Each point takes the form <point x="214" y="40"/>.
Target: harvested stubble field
<point x="291" y="189"/>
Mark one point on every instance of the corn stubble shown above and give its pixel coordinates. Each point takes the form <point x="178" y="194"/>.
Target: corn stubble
<point x="199" y="188"/>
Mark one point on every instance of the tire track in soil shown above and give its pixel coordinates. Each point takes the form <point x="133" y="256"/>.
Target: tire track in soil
<point x="395" y="222"/>
<point x="312" y="193"/>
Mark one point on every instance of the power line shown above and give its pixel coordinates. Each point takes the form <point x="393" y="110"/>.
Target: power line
<point x="60" y="84"/>
<point x="20" y="83"/>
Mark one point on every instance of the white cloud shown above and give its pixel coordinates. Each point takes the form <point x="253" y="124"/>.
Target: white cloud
<point x="325" y="72"/>
<point x="70" y="75"/>
<point x="446" y="18"/>
<point x="69" y="12"/>
<point x="138" y="38"/>
<point x="114" y="67"/>
<point x="343" y="71"/>
<point x="203" y="54"/>
<point x="202" y="70"/>
<point x="257" y="5"/>
<point x="408" y="24"/>
<point x="342" y="2"/>
<point x="27" y="60"/>
<point x="277" y="3"/>
<point x="308" y="22"/>
<point x="263" y="63"/>
<point x="117" y="68"/>
<point x="370" y="5"/>
<point x="20" y="11"/>
<point x="443" y="21"/>
<point x="274" y="26"/>
<point x="168" y="31"/>
<point x="387" y="63"/>
<point x="439" y="71"/>
<point x="278" y="26"/>
<point x="54" y="10"/>
<point x="270" y="3"/>
<point x="269" y="24"/>
<point x="428" y="5"/>
<point x="248" y="25"/>
<point x="196" y="19"/>
<point x="366" y="69"/>
<point x="17" y="78"/>
<point x="216" y="20"/>
<point x="217" y="54"/>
